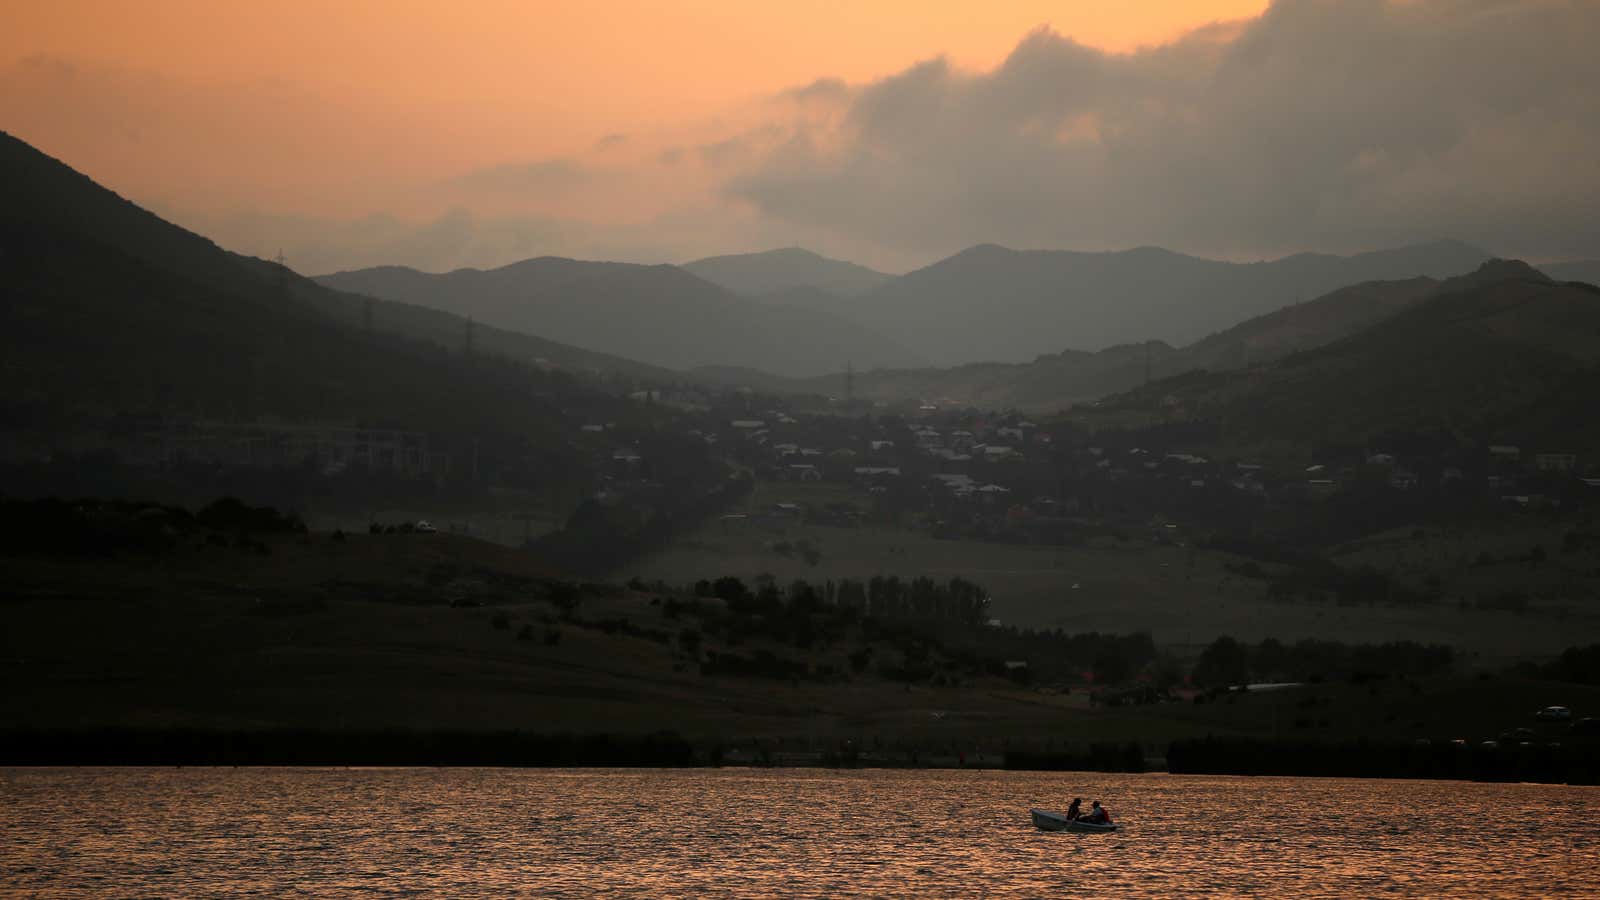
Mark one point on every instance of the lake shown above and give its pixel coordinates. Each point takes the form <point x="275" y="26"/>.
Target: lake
<point x="796" y="832"/>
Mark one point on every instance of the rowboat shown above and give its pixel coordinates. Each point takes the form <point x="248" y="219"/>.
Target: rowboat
<point x="1052" y="821"/>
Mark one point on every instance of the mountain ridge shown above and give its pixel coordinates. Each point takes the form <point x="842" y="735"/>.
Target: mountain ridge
<point x="673" y="318"/>
<point x="1481" y="357"/>
<point x="770" y="272"/>
<point x="991" y="303"/>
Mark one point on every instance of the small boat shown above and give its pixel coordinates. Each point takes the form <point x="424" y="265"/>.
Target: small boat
<point x="1052" y="821"/>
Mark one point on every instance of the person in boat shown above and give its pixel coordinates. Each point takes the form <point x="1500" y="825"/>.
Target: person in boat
<point x="1073" y="811"/>
<point x="1099" y="815"/>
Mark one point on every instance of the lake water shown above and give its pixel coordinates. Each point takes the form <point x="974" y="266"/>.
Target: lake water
<point x="797" y="832"/>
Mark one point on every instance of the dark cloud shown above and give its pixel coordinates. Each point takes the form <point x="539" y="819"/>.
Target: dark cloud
<point x="1324" y="124"/>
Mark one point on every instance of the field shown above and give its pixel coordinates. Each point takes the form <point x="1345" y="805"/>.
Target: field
<point x="1182" y="596"/>
<point x="443" y="632"/>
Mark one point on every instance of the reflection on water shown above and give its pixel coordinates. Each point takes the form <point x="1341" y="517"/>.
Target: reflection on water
<point x="493" y="832"/>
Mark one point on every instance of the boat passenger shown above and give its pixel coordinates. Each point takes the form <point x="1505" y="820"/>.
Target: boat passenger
<point x="1100" y="815"/>
<point x="1073" y="810"/>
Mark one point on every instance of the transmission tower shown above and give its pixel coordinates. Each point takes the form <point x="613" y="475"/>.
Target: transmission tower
<point x="282" y="274"/>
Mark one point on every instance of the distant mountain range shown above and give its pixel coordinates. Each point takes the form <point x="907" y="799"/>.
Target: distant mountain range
<point x="989" y="303"/>
<point x="1058" y="380"/>
<point x="794" y="314"/>
<point x="661" y="315"/>
<point x="777" y="272"/>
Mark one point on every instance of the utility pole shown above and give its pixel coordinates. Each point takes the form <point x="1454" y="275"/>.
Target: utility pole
<point x="849" y="383"/>
<point x="467" y="347"/>
<point x="366" y="317"/>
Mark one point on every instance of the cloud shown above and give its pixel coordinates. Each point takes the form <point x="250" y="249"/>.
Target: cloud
<point x="1330" y="125"/>
<point x="1324" y="124"/>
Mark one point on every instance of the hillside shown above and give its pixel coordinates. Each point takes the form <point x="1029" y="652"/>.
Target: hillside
<point x="762" y="275"/>
<point x="1059" y="380"/>
<point x="993" y="304"/>
<point x="109" y="313"/>
<point x="1501" y="353"/>
<point x="192" y="625"/>
<point x="657" y="314"/>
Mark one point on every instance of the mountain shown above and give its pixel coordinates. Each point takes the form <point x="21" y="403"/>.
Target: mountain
<point x="658" y="314"/>
<point x="1058" y="380"/>
<point x="1502" y="353"/>
<point x="108" y="312"/>
<point x="1304" y="326"/>
<point x="775" y="271"/>
<point x="989" y="303"/>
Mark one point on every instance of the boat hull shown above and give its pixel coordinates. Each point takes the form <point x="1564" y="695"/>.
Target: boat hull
<point x="1050" y="821"/>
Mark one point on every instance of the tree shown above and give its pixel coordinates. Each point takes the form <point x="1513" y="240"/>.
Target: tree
<point x="1223" y="663"/>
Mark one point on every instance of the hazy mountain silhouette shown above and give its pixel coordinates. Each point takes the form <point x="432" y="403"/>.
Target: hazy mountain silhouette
<point x="989" y="303"/>
<point x="110" y="310"/>
<point x="658" y="314"/>
<point x="1502" y="351"/>
<point x="776" y="271"/>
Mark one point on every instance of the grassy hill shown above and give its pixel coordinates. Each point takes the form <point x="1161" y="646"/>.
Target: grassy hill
<point x="1502" y="352"/>
<point x="435" y="632"/>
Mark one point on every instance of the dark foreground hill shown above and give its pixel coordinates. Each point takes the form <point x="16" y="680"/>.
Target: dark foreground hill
<point x="1505" y="352"/>
<point x="994" y="304"/>
<point x="108" y="312"/>
<point x="659" y="314"/>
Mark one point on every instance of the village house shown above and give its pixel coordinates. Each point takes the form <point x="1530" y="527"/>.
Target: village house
<point x="1556" y="462"/>
<point x="1320" y="487"/>
<point x="878" y="471"/>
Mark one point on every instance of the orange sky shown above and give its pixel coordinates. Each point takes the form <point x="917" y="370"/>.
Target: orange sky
<point x="352" y="108"/>
<point x="518" y="77"/>
<point x="589" y="65"/>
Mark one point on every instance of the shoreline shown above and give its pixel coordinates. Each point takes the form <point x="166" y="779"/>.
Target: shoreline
<point x="1573" y="763"/>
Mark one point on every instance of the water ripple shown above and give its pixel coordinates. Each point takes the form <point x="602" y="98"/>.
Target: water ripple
<point x="804" y="833"/>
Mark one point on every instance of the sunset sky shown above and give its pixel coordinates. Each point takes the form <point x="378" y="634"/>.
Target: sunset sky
<point x="892" y="133"/>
